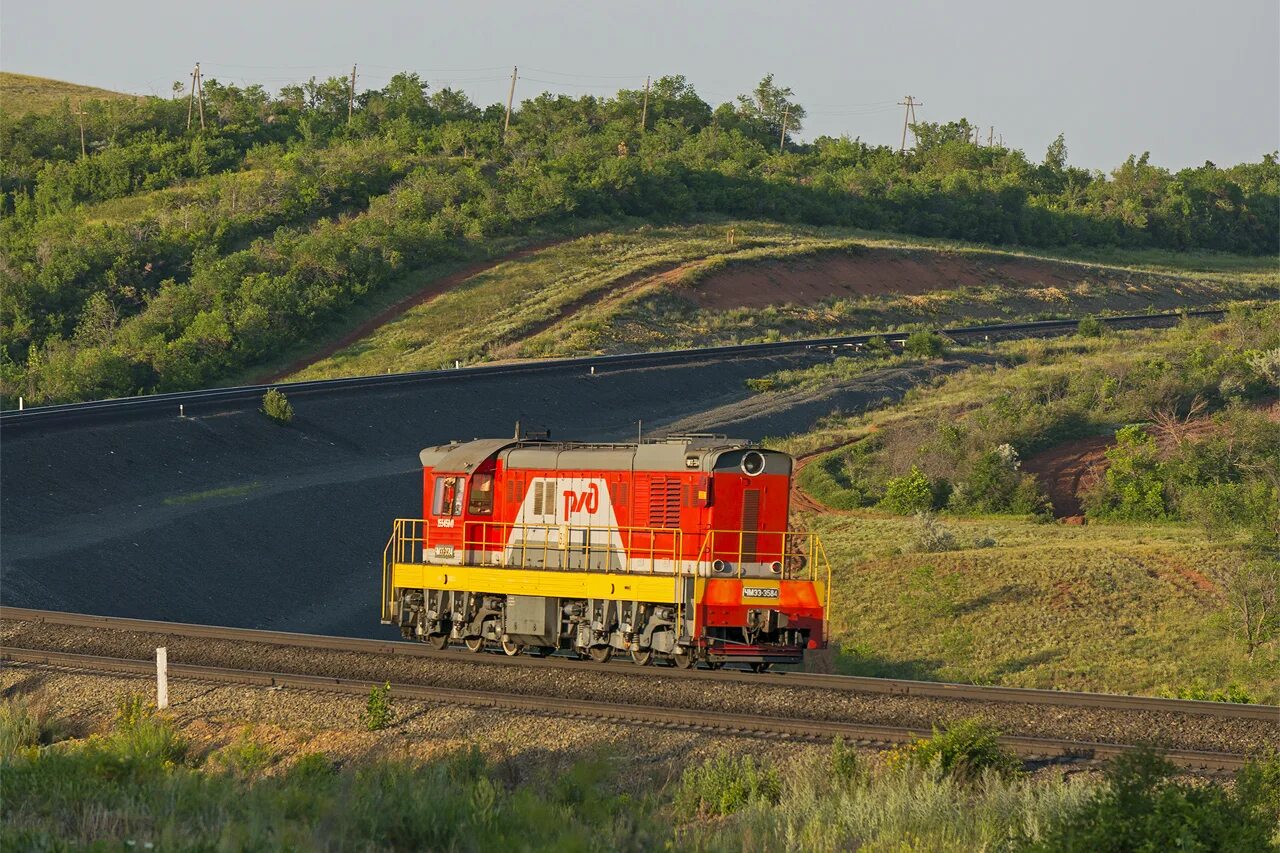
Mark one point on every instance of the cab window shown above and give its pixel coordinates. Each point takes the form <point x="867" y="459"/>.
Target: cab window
<point x="447" y="499"/>
<point x="481" y="502"/>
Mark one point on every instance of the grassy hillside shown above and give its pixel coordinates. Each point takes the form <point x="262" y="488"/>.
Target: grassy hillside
<point x="173" y="257"/>
<point x="1111" y="608"/>
<point x="24" y="93"/>
<point x="1144" y="598"/>
<point x="647" y="287"/>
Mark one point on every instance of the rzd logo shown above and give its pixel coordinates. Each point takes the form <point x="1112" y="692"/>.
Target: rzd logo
<point x="580" y="501"/>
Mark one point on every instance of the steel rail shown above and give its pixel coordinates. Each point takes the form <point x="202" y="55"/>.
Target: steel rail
<point x="788" y="680"/>
<point x="1035" y="749"/>
<point x="126" y="406"/>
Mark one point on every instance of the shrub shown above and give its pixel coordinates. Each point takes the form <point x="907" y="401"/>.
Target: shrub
<point x="844" y="764"/>
<point x="912" y="492"/>
<point x="378" y="712"/>
<point x="723" y="785"/>
<point x="924" y="344"/>
<point x="276" y="406"/>
<point x="1090" y="327"/>
<point x="132" y="709"/>
<point x="1258" y="786"/>
<point x="244" y="757"/>
<point x="21" y="728"/>
<point x="1141" y="807"/>
<point x="994" y="484"/>
<point x="1132" y="489"/>
<point x="930" y="535"/>
<point x="963" y="749"/>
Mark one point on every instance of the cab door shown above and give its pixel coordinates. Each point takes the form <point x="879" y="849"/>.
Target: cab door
<point x="445" y="517"/>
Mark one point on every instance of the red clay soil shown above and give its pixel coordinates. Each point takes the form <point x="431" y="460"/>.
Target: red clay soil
<point x="809" y="281"/>
<point x="1067" y="468"/>
<point x="433" y="289"/>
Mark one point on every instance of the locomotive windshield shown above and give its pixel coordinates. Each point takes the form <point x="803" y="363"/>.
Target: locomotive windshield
<point x="481" y="502"/>
<point x="448" y="496"/>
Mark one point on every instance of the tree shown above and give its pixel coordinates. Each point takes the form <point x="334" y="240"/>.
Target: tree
<point x="761" y="113"/>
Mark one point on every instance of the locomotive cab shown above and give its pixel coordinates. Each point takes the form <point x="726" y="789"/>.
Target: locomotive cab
<point x="675" y="549"/>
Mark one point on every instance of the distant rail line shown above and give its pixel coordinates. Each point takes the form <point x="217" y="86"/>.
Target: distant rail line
<point x="1031" y="748"/>
<point x="126" y="407"/>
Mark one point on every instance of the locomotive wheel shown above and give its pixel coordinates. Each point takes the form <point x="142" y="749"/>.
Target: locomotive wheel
<point x="512" y="648"/>
<point x="715" y="664"/>
<point x="474" y="644"/>
<point x="685" y="660"/>
<point x="760" y="667"/>
<point x="641" y="657"/>
<point x="437" y="641"/>
<point x="600" y="654"/>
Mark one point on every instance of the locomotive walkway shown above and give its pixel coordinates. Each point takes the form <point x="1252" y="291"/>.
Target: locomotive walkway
<point x="1187" y="727"/>
<point x="197" y="402"/>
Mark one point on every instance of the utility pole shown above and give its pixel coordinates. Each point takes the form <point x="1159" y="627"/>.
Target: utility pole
<point x="200" y="94"/>
<point x="80" y="116"/>
<point x="644" y="111"/>
<point x="351" y="93"/>
<point x="786" y="114"/>
<point x="1000" y="140"/>
<point x="191" y="100"/>
<point x="991" y="135"/>
<point x="908" y="118"/>
<point x="510" y="97"/>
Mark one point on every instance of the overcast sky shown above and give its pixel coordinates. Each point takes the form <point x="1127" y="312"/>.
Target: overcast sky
<point x="1188" y="81"/>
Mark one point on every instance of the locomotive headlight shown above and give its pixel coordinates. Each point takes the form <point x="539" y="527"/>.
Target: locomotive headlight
<point x="752" y="462"/>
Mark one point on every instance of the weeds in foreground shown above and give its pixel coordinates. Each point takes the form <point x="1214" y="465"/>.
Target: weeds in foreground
<point x="1143" y="806"/>
<point x="378" y="712"/>
<point x="964" y="749"/>
<point x="725" y="784"/>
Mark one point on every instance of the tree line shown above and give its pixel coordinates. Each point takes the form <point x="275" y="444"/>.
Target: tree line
<point x="169" y="258"/>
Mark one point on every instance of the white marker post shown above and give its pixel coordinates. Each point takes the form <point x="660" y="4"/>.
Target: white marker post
<point x="162" y="677"/>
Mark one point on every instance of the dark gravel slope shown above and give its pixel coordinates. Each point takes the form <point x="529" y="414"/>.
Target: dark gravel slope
<point x="224" y="517"/>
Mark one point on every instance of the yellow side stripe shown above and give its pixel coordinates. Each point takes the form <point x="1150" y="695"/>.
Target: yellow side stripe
<point x="659" y="589"/>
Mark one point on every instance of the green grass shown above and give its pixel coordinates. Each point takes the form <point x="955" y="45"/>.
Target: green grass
<point x="631" y="288"/>
<point x="1107" y="608"/>
<point x="24" y="93"/>
<point x="142" y="784"/>
<point x="211" y="494"/>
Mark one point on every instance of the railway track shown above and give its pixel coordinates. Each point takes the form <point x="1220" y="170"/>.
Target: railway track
<point x="890" y="686"/>
<point x="1035" y="748"/>
<point x="193" y="402"/>
<point x="1040" y="750"/>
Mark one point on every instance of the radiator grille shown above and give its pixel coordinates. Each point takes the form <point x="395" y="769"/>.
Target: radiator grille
<point x="664" y="503"/>
<point x="750" y="524"/>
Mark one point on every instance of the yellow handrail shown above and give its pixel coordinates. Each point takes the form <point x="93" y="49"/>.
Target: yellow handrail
<point x="493" y="536"/>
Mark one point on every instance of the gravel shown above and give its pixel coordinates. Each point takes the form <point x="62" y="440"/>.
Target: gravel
<point x="292" y="723"/>
<point x="1170" y="730"/>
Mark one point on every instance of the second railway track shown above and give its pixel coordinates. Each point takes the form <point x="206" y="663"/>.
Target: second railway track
<point x="1037" y="749"/>
<point x="96" y="411"/>
<point x="1041" y="723"/>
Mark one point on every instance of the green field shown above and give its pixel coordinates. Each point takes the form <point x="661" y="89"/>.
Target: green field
<point x="24" y="93"/>
<point x="1106" y="608"/>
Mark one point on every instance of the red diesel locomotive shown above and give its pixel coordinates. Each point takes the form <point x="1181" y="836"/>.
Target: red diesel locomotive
<point x="674" y="549"/>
